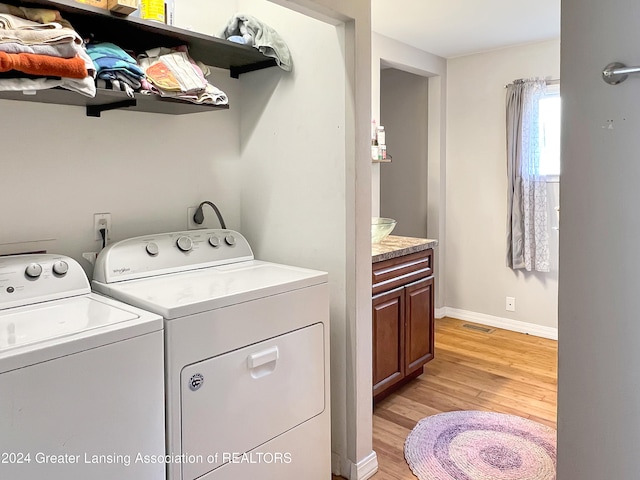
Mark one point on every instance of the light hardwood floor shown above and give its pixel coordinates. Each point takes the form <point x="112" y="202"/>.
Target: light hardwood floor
<point x="501" y="371"/>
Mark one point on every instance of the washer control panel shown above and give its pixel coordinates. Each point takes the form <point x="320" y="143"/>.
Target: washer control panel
<point x="172" y="252"/>
<point x="28" y="279"/>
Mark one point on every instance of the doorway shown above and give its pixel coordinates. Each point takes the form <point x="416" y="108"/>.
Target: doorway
<point x="404" y="101"/>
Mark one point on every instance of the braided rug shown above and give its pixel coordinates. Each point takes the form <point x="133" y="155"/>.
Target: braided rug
<point x="471" y="445"/>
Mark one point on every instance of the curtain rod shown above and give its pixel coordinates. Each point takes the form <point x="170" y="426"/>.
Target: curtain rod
<point x="554" y="81"/>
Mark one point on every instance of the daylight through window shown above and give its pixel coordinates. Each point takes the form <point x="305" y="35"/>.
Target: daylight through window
<point x="549" y="132"/>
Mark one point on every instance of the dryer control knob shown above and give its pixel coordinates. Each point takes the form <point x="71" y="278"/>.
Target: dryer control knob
<point x="60" y="267"/>
<point x="33" y="270"/>
<point x="230" y="239"/>
<point x="185" y="244"/>
<point x="214" y="241"/>
<point x="152" y="249"/>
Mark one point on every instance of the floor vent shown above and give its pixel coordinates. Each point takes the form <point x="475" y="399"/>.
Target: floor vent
<point x="478" y="328"/>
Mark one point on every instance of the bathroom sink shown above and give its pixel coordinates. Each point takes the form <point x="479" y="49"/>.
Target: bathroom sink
<point x="381" y="228"/>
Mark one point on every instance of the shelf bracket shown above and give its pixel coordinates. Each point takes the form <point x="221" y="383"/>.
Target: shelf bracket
<point x="237" y="71"/>
<point x="96" y="110"/>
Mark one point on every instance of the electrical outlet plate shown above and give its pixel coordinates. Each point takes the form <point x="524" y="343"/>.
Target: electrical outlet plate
<point x="100" y="220"/>
<point x="511" y="304"/>
<point x="90" y="257"/>
<point x="210" y="219"/>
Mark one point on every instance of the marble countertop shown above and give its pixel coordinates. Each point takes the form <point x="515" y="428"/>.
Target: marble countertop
<point x="394" y="246"/>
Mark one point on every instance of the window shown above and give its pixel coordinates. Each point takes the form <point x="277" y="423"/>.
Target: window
<point x="549" y="133"/>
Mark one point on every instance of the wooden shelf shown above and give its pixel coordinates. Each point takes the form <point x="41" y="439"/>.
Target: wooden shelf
<point x="112" y="99"/>
<point x="389" y="159"/>
<point x="139" y="35"/>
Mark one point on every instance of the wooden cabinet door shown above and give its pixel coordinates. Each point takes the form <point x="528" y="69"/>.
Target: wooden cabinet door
<point x="388" y="339"/>
<point x="419" y="346"/>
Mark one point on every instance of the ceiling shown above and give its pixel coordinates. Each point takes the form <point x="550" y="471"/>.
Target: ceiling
<point x="451" y="28"/>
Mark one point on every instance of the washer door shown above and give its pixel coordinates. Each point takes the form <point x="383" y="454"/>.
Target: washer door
<point x="237" y="401"/>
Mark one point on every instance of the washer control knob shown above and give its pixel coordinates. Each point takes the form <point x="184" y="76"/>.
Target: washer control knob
<point x="33" y="270"/>
<point x="214" y="241"/>
<point x="185" y="244"/>
<point x="60" y="267"/>
<point x="230" y="239"/>
<point x="152" y="249"/>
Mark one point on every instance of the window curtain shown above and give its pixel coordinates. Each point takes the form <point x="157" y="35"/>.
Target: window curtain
<point x="527" y="232"/>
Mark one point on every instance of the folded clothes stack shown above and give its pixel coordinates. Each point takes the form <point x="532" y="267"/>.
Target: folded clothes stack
<point x="40" y="50"/>
<point x="117" y="70"/>
<point x="173" y="73"/>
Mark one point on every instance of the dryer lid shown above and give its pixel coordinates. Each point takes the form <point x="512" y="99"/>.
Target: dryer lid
<point x="187" y="293"/>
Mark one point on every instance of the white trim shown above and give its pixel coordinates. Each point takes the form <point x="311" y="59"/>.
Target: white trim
<point x="345" y="467"/>
<point x="501" y="322"/>
<point x="365" y="468"/>
<point x="441" y="312"/>
<point x="336" y="464"/>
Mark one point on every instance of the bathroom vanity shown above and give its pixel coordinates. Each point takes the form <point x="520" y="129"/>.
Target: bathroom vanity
<point x="403" y="310"/>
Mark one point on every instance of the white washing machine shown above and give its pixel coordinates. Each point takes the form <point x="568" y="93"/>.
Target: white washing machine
<point x="247" y="353"/>
<point x="81" y="377"/>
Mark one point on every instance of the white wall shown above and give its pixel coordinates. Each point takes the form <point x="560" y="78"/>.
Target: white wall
<point x="477" y="279"/>
<point x="404" y="101"/>
<point x="293" y="157"/>
<point x="599" y="388"/>
<point x="59" y="167"/>
<point x="146" y="169"/>
<point x="199" y="16"/>
<point x="305" y="199"/>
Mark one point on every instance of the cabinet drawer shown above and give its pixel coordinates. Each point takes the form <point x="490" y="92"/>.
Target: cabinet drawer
<point x="402" y="270"/>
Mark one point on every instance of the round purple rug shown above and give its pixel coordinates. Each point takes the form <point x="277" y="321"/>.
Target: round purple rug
<point x="470" y="445"/>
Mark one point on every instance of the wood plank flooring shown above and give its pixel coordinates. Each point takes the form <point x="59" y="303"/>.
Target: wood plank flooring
<point x="501" y="371"/>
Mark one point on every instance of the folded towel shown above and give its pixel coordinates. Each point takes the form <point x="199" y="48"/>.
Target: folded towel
<point x="241" y="40"/>
<point x="63" y="51"/>
<point x="115" y="84"/>
<point x="43" y="65"/>
<point x="88" y="63"/>
<point x="8" y="21"/>
<point x="84" y="86"/>
<point x="40" y="37"/>
<point x="109" y="57"/>
<point x="173" y="73"/>
<point x="123" y="77"/>
<point x="264" y="38"/>
<point x="40" y="15"/>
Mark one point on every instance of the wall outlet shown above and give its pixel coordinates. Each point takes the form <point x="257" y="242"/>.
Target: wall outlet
<point x="101" y="220"/>
<point x="210" y="219"/>
<point x="191" y="225"/>
<point x="90" y="257"/>
<point x="511" y="304"/>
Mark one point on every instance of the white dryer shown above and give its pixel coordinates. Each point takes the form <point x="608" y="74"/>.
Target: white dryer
<point x="247" y="353"/>
<point x="81" y="377"/>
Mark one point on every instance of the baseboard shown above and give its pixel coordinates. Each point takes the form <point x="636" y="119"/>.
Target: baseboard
<point x="336" y="464"/>
<point x="501" y="322"/>
<point x="365" y="468"/>
<point x="440" y="312"/>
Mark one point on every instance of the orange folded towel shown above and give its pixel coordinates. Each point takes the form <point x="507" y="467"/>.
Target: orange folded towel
<point x="43" y="65"/>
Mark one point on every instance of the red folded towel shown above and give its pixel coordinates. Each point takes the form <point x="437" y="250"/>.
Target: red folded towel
<point x="43" y="65"/>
